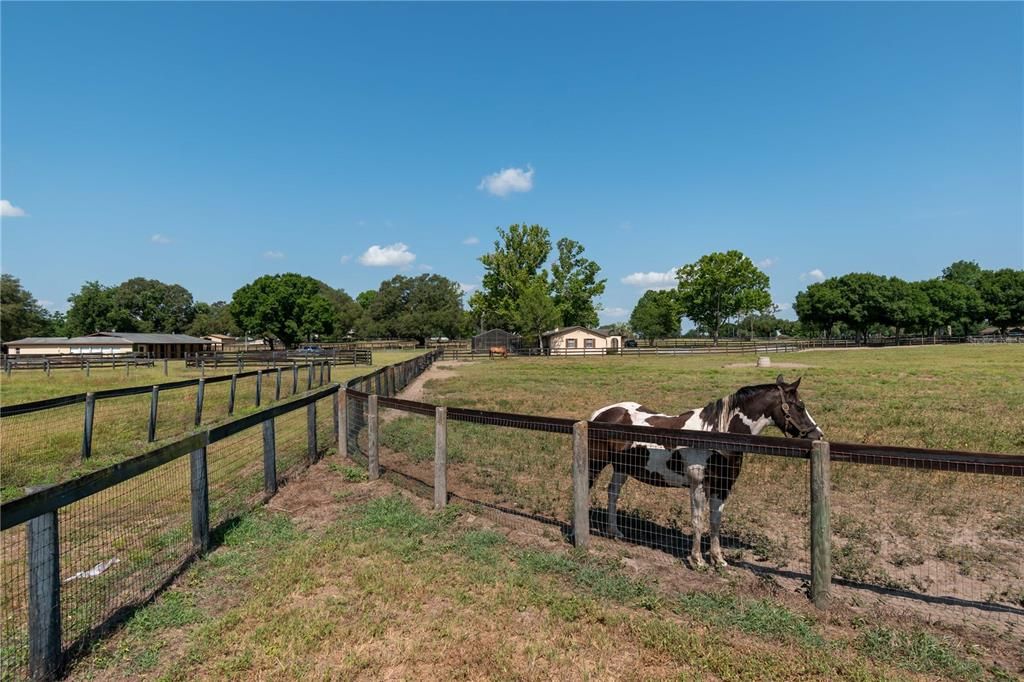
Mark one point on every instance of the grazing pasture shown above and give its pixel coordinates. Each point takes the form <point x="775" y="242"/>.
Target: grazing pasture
<point x="948" y="538"/>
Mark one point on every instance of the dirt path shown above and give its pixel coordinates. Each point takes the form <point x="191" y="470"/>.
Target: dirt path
<point x="414" y="391"/>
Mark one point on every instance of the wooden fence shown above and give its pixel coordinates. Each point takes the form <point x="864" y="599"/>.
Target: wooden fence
<point x="84" y="362"/>
<point x="241" y="360"/>
<point x="39" y="587"/>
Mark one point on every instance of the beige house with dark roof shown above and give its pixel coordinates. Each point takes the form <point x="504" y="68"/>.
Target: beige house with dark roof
<point x="578" y="340"/>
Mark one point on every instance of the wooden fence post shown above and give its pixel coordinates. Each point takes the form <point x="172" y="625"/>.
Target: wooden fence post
<point x="373" y="451"/>
<point x="269" y="458"/>
<point x="200" y="490"/>
<point x="90" y="412"/>
<point x="440" y="457"/>
<point x="46" y="363"/>
<point x="295" y="377"/>
<point x="309" y="377"/>
<point x="259" y="386"/>
<point x="199" y="401"/>
<point x="202" y="368"/>
<point x="44" y="632"/>
<point x="336" y="419"/>
<point x="311" y="432"/>
<point x="277" y="385"/>
<point x="580" y="485"/>
<point x="231" y="394"/>
<point x="821" y="525"/>
<point x="154" y="399"/>
<point x="165" y="366"/>
<point x="329" y="371"/>
<point x="342" y="411"/>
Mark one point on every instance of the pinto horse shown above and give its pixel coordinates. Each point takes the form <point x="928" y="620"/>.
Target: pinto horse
<point x="708" y="473"/>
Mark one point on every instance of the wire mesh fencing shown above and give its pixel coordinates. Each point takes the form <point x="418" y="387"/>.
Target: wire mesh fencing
<point x="87" y="433"/>
<point x="121" y="534"/>
<point x="939" y="543"/>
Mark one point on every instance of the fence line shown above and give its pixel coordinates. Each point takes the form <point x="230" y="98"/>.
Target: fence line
<point x="242" y="359"/>
<point x="135" y="508"/>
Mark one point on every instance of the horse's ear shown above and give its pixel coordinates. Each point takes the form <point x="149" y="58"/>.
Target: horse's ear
<point x="796" y="383"/>
<point x="780" y="381"/>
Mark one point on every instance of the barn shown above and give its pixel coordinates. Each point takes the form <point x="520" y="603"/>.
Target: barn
<point x="110" y="343"/>
<point x="497" y="338"/>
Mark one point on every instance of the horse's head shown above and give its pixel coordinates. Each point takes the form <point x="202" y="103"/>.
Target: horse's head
<point x="790" y="415"/>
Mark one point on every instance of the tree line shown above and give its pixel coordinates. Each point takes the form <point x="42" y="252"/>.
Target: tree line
<point x="529" y="286"/>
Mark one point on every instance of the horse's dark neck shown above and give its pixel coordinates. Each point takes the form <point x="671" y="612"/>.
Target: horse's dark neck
<point x="753" y="402"/>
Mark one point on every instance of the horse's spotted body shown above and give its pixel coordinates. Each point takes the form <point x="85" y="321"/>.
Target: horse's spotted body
<point x="708" y="473"/>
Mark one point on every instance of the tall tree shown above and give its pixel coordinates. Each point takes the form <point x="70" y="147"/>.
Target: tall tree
<point x="720" y="286"/>
<point x="149" y="305"/>
<point x="656" y="315"/>
<point x="91" y="310"/>
<point x="822" y="305"/>
<point x="20" y="313"/>
<point x="346" y="311"/>
<point x="957" y="307"/>
<point x="1002" y="295"/>
<point x="965" y="272"/>
<point x="416" y="307"/>
<point x="535" y="312"/>
<point x="515" y="265"/>
<point x="290" y="307"/>
<point x="213" y="318"/>
<point x="574" y="285"/>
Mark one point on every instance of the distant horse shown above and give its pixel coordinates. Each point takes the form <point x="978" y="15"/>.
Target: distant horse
<point x="497" y="350"/>
<point x="706" y="472"/>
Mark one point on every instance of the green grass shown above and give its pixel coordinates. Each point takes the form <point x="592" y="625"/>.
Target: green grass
<point x="388" y="590"/>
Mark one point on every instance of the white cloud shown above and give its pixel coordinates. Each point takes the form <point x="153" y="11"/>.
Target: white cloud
<point x="766" y="263"/>
<point x="783" y="306"/>
<point x="652" y="280"/>
<point x="426" y="268"/>
<point x="467" y="288"/>
<point x="816" y="274"/>
<point x="160" y="239"/>
<point x="615" y="314"/>
<point x="508" y="180"/>
<point x="45" y="304"/>
<point x="393" y="255"/>
<point x="273" y="255"/>
<point x="9" y="210"/>
<point x="346" y="258"/>
<point x="469" y="241"/>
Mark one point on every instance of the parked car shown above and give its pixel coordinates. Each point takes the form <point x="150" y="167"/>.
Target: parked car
<point x="630" y="343"/>
<point x="311" y="350"/>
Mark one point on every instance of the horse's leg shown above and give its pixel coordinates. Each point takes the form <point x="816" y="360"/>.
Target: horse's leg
<point x="618" y="480"/>
<point x="717" y="505"/>
<point x="698" y="502"/>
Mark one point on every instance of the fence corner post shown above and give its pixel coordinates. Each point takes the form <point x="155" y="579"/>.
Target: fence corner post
<point x="580" y="485"/>
<point x="277" y="385"/>
<point x="154" y="402"/>
<point x="821" y="524"/>
<point x="269" y="458"/>
<point x="259" y="387"/>
<point x="440" y="457"/>
<point x="44" y="619"/>
<point x="200" y="496"/>
<point x="90" y="412"/>
<point x="199" y="401"/>
<point x="311" y="432"/>
<point x="373" y="450"/>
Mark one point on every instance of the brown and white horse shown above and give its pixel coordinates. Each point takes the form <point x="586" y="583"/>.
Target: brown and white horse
<point x="708" y="473"/>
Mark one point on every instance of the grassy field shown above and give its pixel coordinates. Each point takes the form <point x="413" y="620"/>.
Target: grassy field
<point x="45" y="447"/>
<point x="926" y="533"/>
<point x="341" y="579"/>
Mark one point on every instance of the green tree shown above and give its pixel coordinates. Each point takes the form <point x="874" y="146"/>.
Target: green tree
<point x="149" y="305"/>
<point x="416" y="307"/>
<point x="346" y="311"/>
<point x="656" y="315"/>
<point x="906" y="306"/>
<point x="515" y="265"/>
<point x="720" y="286"/>
<point x="574" y="285"/>
<point x="822" y="306"/>
<point x="965" y="272"/>
<point x="213" y="318"/>
<point x="535" y="312"/>
<point x="91" y="310"/>
<point x="290" y="307"/>
<point x="1002" y="295"/>
<point x="955" y="306"/>
<point x="20" y="313"/>
<point x="365" y="299"/>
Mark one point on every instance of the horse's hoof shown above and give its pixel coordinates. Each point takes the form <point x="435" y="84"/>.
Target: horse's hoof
<point x="719" y="562"/>
<point x="698" y="564"/>
<point x="615" y="534"/>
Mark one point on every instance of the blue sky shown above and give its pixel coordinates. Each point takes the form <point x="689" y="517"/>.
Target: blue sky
<point x="208" y="144"/>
